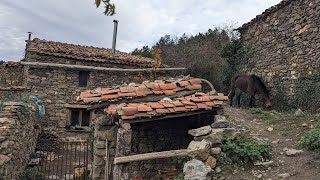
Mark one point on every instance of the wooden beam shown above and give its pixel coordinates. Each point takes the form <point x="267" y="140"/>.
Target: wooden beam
<point x="149" y="156"/>
<point x="76" y="106"/>
<point x="170" y="116"/>
<point x="93" y="68"/>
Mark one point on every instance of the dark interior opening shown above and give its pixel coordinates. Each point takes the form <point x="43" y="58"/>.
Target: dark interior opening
<point x="162" y="135"/>
<point x="83" y="78"/>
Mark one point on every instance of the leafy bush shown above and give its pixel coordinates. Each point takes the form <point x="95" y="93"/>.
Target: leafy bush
<point x="32" y="173"/>
<point x="312" y="139"/>
<point x="243" y="150"/>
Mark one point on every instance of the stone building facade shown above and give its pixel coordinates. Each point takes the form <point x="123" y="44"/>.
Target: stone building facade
<point x="57" y="72"/>
<point x="285" y="42"/>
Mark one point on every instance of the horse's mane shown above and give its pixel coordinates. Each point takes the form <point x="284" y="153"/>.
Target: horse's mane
<point x="264" y="88"/>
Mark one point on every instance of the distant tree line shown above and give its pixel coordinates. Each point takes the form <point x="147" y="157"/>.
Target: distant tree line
<point x="200" y="54"/>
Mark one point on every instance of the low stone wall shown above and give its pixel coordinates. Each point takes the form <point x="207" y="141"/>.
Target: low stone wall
<point x="11" y="74"/>
<point x="17" y="138"/>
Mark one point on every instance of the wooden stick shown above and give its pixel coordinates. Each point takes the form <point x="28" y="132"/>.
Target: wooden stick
<point x="80" y="67"/>
<point x="148" y="156"/>
<point x="106" y="170"/>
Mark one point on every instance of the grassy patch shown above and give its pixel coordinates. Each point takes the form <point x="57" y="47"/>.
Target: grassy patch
<point x="244" y="150"/>
<point x="32" y="173"/>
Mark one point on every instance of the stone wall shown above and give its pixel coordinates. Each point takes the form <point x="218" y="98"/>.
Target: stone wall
<point x="11" y="74"/>
<point x="17" y="138"/>
<point x="285" y="47"/>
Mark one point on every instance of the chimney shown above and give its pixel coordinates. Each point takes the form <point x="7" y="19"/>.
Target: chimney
<point x="27" y="44"/>
<point x="114" y="41"/>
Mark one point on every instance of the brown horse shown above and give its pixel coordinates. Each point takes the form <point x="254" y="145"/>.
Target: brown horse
<point x="251" y="84"/>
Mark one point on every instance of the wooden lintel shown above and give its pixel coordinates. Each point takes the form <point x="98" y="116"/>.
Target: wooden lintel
<point x="76" y="106"/>
<point x="81" y="67"/>
<point x="171" y="116"/>
<point x="149" y="156"/>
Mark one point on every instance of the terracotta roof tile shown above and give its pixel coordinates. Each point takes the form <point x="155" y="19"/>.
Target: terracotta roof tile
<point x="195" y="81"/>
<point x="88" y="95"/>
<point x="178" y="109"/>
<point x="167" y="104"/>
<point x="177" y="103"/>
<point x="202" y="106"/>
<point x="110" y="96"/>
<point x="168" y="92"/>
<point x="178" y="89"/>
<point x="211" y="104"/>
<point x="158" y="92"/>
<point x="144" y="108"/>
<point x="130" y="110"/>
<point x="171" y="110"/>
<point x="156" y="105"/>
<point x="194" y="87"/>
<point x="128" y="94"/>
<point x="168" y="86"/>
<point x="188" y="103"/>
<point x="184" y="83"/>
<point x="109" y="91"/>
<point x="153" y="86"/>
<point x="191" y="107"/>
<point x="141" y="115"/>
<point x="162" y="111"/>
<point x="87" y="53"/>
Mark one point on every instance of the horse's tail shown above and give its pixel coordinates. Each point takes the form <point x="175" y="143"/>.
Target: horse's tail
<point x="233" y="86"/>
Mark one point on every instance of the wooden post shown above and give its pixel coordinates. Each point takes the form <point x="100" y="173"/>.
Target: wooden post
<point x="106" y="170"/>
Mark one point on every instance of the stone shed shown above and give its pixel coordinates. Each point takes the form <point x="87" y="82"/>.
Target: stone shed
<point x="285" y="42"/>
<point x="57" y="72"/>
<point x="138" y="127"/>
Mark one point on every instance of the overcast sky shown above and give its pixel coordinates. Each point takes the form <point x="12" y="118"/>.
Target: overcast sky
<point x="141" y="22"/>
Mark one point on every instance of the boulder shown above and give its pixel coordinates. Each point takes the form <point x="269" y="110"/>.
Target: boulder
<point x="199" y="150"/>
<point x="220" y="122"/>
<point x="214" y="137"/>
<point x="215" y="151"/>
<point x="196" y="170"/>
<point x="212" y="162"/>
<point x="200" y="131"/>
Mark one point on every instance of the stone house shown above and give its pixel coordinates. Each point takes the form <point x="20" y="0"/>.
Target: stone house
<point x="146" y="118"/>
<point x="285" y="41"/>
<point x="57" y="72"/>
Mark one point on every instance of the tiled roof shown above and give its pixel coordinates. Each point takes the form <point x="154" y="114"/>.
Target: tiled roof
<point x="88" y="53"/>
<point x="267" y="12"/>
<point x="159" y="87"/>
<point x="195" y="102"/>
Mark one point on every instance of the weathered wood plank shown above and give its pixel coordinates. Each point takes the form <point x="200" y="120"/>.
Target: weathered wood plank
<point x="149" y="156"/>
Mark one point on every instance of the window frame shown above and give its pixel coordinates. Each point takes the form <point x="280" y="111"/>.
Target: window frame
<point x="83" y="78"/>
<point x="80" y="117"/>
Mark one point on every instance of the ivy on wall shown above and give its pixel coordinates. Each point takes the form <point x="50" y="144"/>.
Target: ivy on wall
<point x="307" y="95"/>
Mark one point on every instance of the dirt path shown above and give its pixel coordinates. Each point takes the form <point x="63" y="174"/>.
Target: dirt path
<point x="285" y="133"/>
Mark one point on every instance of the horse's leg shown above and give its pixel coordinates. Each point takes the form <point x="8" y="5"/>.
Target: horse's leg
<point x="231" y="96"/>
<point x="252" y="100"/>
<point x="238" y="98"/>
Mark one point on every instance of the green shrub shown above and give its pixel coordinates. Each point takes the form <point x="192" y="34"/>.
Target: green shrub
<point x="312" y="140"/>
<point x="179" y="161"/>
<point x="262" y="113"/>
<point x="244" y="150"/>
<point x="32" y="173"/>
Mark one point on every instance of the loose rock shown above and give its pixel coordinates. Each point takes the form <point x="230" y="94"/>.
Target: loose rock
<point x="292" y="152"/>
<point x="196" y="170"/>
<point x="211" y="161"/>
<point x="220" y="122"/>
<point x="284" y="175"/>
<point x="215" y="151"/>
<point x="215" y="136"/>
<point x="205" y="130"/>
<point x="266" y="164"/>
<point x="199" y="150"/>
<point x="299" y="112"/>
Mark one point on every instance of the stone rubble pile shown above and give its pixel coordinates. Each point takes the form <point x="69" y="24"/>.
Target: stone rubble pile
<point x="205" y="147"/>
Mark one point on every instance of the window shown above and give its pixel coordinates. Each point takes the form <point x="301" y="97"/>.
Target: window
<point x="83" y="78"/>
<point x="80" y="119"/>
